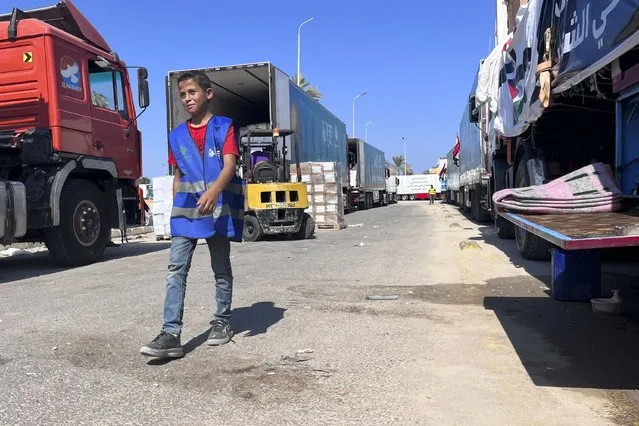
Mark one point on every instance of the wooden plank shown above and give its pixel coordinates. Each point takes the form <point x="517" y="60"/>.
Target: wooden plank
<point x="582" y="231"/>
<point x="589" y="225"/>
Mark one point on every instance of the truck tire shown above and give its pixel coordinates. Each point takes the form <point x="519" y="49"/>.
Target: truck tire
<point x="252" y="229"/>
<point x="483" y="215"/>
<point x="84" y="229"/>
<point x="530" y="246"/>
<point x="505" y="229"/>
<point x="474" y="205"/>
<point x="307" y="228"/>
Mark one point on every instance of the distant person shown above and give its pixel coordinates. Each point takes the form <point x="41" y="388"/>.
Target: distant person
<point x="207" y="199"/>
<point x="431" y="194"/>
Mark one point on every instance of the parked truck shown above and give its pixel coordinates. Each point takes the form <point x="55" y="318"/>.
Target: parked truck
<point x="470" y="187"/>
<point x="260" y="94"/>
<point x="391" y="189"/>
<point x="416" y="187"/>
<point x="70" y="149"/>
<point x="452" y="177"/>
<point x="368" y="174"/>
<point x="558" y="92"/>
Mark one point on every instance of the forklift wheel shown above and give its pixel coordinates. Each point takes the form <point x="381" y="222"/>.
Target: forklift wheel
<point x="252" y="229"/>
<point x="307" y="228"/>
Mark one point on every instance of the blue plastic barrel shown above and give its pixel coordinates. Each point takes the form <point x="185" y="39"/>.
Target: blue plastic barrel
<point x="576" y="275"/>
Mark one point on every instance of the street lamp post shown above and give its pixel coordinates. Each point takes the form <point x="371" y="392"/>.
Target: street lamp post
<point x="354" y="99"/>
<point x="405" y="159"/>
<point x="367" y="124"/>
<point x="299" y="30"/>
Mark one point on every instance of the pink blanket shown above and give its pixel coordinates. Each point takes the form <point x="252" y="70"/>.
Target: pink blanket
<point x="587" y="190"/>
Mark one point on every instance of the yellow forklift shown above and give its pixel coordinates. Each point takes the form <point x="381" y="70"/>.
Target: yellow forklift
<point x="273" y="204"/>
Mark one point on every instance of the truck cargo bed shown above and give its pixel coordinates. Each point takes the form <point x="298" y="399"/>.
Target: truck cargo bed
<point x="582" y="231"/>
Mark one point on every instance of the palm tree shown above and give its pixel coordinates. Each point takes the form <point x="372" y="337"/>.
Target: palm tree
<point x="305" y="85"/>
<point x="398" y="161"/>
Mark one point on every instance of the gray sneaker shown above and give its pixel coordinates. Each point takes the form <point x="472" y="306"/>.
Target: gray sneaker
<point x="221" y="333"/>
<point x="165" y="345"/>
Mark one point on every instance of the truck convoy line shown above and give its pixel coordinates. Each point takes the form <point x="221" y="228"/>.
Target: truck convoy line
<point x="556" y="94"/>
<point x="71" y="151"/>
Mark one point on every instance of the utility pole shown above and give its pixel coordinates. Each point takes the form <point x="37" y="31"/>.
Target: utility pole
<point x="299" y="30"/>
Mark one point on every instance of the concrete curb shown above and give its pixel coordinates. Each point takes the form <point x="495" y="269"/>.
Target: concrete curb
<point x="138" y="230"/>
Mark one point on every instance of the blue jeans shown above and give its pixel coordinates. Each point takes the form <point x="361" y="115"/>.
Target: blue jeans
<point x="179" y="264"/>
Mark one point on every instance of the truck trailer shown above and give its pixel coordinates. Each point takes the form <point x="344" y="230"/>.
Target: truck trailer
<point x="260" y="94"/>
<point x="472" y="178"/>
<point x="368" y="174"/>
<point x="416" y="187"/>
<point x="70" y="149"/>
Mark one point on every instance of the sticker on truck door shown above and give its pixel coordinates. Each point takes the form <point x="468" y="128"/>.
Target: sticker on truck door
<point x="71" y="74"/>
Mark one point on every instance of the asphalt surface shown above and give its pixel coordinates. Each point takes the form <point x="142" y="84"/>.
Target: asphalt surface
<point x="471" y="338"/>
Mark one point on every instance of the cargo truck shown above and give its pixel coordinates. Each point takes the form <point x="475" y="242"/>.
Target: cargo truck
<point x="472" y="170"/>
<point x="452" y="178"/>
<point x="367" y="174"/>
<point x="277" y="125"/>
<point x="391" y="184"/>
<point x="70" y="149"/>
<point x="416" y="187"/>
<point x="558" y="93"/>
<point x="260" y="94"/>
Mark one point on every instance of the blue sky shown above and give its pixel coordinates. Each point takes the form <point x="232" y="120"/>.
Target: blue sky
<point x="416" y="59"/>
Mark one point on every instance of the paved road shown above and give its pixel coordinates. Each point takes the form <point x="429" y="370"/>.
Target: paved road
<point x="471" y="339"/>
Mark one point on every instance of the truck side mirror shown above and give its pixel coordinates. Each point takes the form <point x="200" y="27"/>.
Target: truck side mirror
<point x="143" y="88"/>
<point x="143" y="74"/>
<point x="143" y="93"/>
<point x="387" y="173"/>
<point x="473" y="113"/>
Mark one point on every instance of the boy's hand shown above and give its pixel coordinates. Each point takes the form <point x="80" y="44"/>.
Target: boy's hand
<point x="207" y="202"/>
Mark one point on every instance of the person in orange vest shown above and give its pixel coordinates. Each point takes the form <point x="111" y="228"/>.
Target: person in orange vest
<point x="431" y="194"/>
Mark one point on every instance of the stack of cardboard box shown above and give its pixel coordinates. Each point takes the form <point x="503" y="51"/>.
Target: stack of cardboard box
<point x="324" y="187"/>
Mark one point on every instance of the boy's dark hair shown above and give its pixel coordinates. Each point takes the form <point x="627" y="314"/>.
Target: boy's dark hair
<point x="199" y="77"/>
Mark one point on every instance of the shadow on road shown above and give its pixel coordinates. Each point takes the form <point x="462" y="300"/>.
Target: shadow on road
<point x="257" y="318"/>
<point x="564" y="344"/>
<point x="27" y="266"/>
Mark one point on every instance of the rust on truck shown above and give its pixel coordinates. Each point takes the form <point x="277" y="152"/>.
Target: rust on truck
<point x="67" y="121"/>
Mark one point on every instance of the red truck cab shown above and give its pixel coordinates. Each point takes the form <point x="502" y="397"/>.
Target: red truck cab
<point x="70" y="149"/>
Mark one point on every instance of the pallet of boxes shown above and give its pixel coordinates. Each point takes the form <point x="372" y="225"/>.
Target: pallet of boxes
<point x="324" y="188"/>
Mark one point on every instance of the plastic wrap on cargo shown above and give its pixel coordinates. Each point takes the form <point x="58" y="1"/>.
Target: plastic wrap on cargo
<point x="162" y="205"/>
<point x="324" y="187"/>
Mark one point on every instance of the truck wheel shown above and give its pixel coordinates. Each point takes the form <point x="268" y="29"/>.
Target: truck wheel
<point x="505" y="230"/>
<point x="252" y="229"/>
<point x="411" y="197"/>
<point x="307" y="228"/>
<point x="84" y="228"/>
<point x="530" y="246"/>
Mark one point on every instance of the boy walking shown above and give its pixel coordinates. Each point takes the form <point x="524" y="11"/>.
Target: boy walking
<point x="208" y="203"/>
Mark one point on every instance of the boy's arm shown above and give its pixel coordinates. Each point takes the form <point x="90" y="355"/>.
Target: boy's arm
<point x="207" y="202"/>
<point x="176" y="181"/>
